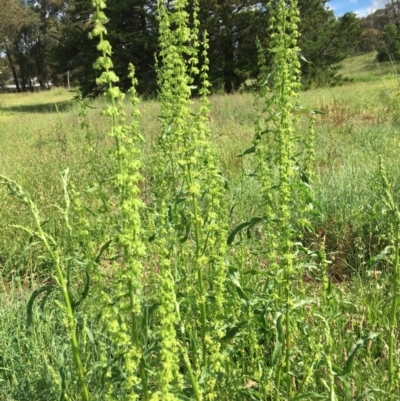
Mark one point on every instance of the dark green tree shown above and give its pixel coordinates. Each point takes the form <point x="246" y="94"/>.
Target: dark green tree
<point x="325" y="41"/>
<point x="51" y="18"/>
<point x="232" y="27"/>
<point x="13" y="16"/>
<point x="390" y="49"/>
<point x="132" y="33"/>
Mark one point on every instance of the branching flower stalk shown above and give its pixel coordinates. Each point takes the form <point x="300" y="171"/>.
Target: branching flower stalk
<point x="264" y="156"/>
<point x="122" y="317"/>
<point x="193" y="175"/>
<point x="310" y="148"/>
<point x="283" y="30"/>
<point x="174" y="96"/>
<point x="215" y="228"/>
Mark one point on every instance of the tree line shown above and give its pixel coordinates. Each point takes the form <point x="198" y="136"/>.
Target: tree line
<point x="381" y="32"/>
<point x="48" y="41"/>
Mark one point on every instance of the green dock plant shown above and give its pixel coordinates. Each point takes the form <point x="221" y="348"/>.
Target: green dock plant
<point x="275" y="151"/>
<point x="121" y="297"/>
<point x="392" y="211"/>
<point x="62" y="264"/>
<point x="180" y="308"/>
<point x="191" y="240"/>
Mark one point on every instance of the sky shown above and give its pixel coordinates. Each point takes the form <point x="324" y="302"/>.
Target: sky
<point x="361" y="7"/>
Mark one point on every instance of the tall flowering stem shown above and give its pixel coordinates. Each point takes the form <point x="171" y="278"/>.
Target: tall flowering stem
<point x="275" y="146"/>
<point x="122" y="302"/>
<point x="190" y="187"/>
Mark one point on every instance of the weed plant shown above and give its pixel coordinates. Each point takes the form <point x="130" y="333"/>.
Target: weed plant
<point x="184" y="272"/>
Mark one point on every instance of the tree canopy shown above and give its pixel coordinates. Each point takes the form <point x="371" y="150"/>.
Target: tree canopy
<point x="49" y="40"/>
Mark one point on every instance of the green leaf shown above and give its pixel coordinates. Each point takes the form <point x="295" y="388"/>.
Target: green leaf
<point x="248" y="151"/>
<point x="61" y="372"/>
<point x="362" y="396"/>
<point x="85" y="291"/>
<point x="376" y="259"/>
<point x="46" y="288"/>
<point x="303" y="58"/>
<point x="317" y="112"/>
<point x="304" y="177"/>
<point x="349" y="361"/>
<point x="249" y="224"/>
<point x="309" y="396"/>
<point x="234" y="277"/>
<point x="233" y="331"/>
<point x="205" y="374"/>
<point x="278" y="339"/>
<point x="252" y="223"/>
<point x="21" y="259"/>
<point x="103" y="248"/>
<point x="303" y="302"/>
<point x="89" y="106"/>
<point x="235" y="231"/>
<point x="187" y="232"/>
<point x="89" y="334"/>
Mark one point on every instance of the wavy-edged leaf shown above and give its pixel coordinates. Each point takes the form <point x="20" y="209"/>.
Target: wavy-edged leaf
<point x="248" y="151"/>
<point x="23" y="254"/>
<point x="61" y="372"/>
<point x="234" y="277"/>
<point x="301" y="57"/>
<point x="85" y="291"/>
<point x="247" y="224"/>
<point x="235" y="231"/>
<point x="187" y="232"/>
<point x="89" y="334"/>
<point x="46" y="288"/>
<point x="102" y="249"/>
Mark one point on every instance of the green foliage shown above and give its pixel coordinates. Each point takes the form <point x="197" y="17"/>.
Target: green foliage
<point x="325" y="41"/>
<point x="149" y="297"/>
<point x="390" y="50"/>
<point x="132" y="34"/>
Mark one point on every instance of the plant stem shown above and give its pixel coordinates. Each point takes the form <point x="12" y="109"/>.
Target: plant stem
<point x="71" y="326"/>
<point x="199" y="272"/>
<point x="287" y="340"/>
<point x="393" y="320"/>
<point x="277" y="381"/>
<point x="191" y="375"/>
<point x="135" y="339"/>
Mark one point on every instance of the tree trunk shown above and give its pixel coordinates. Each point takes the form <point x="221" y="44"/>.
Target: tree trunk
<point x="12" y="67"/>
<point x="229" y="66"/>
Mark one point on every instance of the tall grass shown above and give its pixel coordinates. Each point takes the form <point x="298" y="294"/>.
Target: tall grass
<point x="186" y="272"/>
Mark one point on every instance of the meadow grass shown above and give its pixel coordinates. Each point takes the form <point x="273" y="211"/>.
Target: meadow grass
<point x="342" y="332"/>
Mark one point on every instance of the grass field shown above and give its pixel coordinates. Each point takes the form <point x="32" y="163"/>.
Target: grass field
<point x="43" y="134"/>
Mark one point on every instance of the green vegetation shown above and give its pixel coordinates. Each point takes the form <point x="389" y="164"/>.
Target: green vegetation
<point x="47" y="41"/>
<point x="224" y="247"/>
